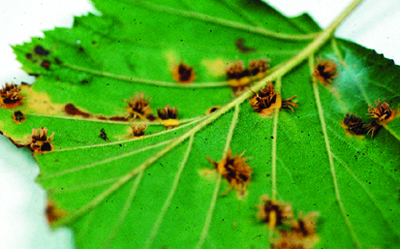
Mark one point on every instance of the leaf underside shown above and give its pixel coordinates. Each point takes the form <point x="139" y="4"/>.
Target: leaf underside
<point x="114" y="199"/>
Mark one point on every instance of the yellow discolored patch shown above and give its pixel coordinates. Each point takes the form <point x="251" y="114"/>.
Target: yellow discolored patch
<point x="209" y="174"/>
<point x="215" y="67"/>
<point x="170" y="123"/>
<point x="172" y="58"/>
<point x="39" y="102"/>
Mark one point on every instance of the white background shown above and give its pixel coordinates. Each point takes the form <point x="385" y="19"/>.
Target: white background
<point x="22" y="224"/>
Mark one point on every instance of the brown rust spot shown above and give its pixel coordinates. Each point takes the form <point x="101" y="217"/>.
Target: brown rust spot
<point x="242" y="47"/>
<point x="116" y="118"/>
<point x="274" y="213"/>
<point x="382" y="115"/>
<point x="183" y="73"/>
<point x="301" y="234"/>
<point x="266" y="100"/>
<point x="305" y="226"/>
<point x="138" y="130"/>
<point x="168" y="116"/>
<point x="70" y="109"/>
<point x="235" y="170"/>
<point x="212" y="109"/>
<point x="326" y="71"/>
<point x="10" y="96"/>
<point x="40" y="141"/>
<point x="258" y="68"/>
<point x="353" y="125"/>
<point x="53" y="213"/>
<point x="239" y="77"/>
<point x="46" y="64"/>
<point x="139" y="107"/>
<point x="18" y="117"/>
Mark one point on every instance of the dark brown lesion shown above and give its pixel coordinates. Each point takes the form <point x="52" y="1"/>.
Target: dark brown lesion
<point x="240" y="77"/>
<point x="39" y="50"/>
<point x="294" y="233"/>
<point x="326" y="71"/>
<point x="168" y="116"/>
<point x="242" y="47"/>
<point x="18" y="117"/>
<point x="382" y="114"/>
<point x="235" y="170"/>
<point x="183" y="73"/>
<point x="139" y="106"/>
<point x="212" y="109"/>
<point x="301" y="234"/>
<point x="40" y="141"/>
<point x="274" y="213"/>
<point x="138" y="130"/>
<point x="354" y="125"/>
<point x="103" y="135"/>
<point x="266" y="100"/>
<point x="10" y="96"/>
<point x="53" y="213"/>
<point x="258" y="68"/>
<point x="46" y="64"/>
<point x="72" y="110"/>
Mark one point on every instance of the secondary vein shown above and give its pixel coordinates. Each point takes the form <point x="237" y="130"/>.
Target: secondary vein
<point x="330" y="157"/>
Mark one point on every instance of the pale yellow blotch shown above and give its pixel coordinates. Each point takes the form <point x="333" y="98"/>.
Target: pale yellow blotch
<point x="39" y="102"/>
<point x="215" y="67"/>
<point x="170" y="122"/>
<point x="172" y="58"/>
<point x="209" y="174"/>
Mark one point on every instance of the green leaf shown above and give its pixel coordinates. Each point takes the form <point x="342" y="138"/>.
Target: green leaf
<point x="159" y="191"/>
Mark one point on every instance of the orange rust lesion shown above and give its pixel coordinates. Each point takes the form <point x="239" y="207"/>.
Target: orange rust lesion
<point x="326" y="71"/>
<point x="294" y="233"/>
<point x="235" y="170"/>
<point x="10" y="96"/>
<point x="139" y="106"/>
<point x="168" y="116"/>
<point x="240" y="77"/>
<point x="183" y="73"/>
<point x="300" y="235"/>
<point x="40" y="141"/>
<point x="18" y="117"/>
<point x="53" y="213"/>
<point x="382" y="114"/>
<point x="274" y="213"/>
<point x="138" y="130"/>
<point x="267" y="100"/>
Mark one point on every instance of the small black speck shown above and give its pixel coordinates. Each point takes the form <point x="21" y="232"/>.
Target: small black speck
<point x="272" y="137"/>
<point x="268" y="175"/>
<point x="369" y="182"/>
<point x="120" y="145"/>
<point x="103" y="135"/>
